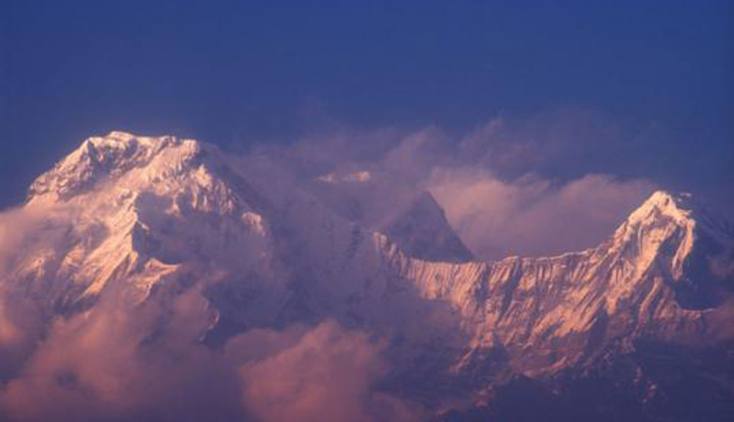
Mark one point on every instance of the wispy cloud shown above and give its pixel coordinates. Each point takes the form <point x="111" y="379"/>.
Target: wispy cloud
<point x="534" y="186"/>
<point x="532" y="216"/>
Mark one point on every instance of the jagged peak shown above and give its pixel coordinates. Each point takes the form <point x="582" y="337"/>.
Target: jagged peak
<point x="682" y="209"/>
<point x="661" y="211"/>
<point x="110" y="145"/>
<point x="123" y="140"/>
<point x="669" y="226"/>
<point x="677" y="207"/>
<point x="113" y="154"/>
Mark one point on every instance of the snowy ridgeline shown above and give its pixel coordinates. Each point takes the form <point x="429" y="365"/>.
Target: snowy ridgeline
<point x="151" y="218"/>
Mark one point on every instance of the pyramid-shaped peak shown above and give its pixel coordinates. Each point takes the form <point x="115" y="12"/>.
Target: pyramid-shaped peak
<point x="677" y="207"/>
<point x="423" y="232"/>
<point x="666" y="214"/>
<point x="425" y="202"/>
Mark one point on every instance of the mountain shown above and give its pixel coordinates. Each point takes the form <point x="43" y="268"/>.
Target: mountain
<point x="409" y="216"/>
<point x="134" y="226"/>
<point x="422" y="231"/>
<point x="661" y="273"/>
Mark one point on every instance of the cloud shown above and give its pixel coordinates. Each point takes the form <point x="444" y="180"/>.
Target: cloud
<point x="14" y="225"/>
<point x="533" y="216"/>
<point x="540" y="185"/>
<point x="20" y="317"/>
<point x="118" y="361"/>
<point x="20" y="328"/>
<point x="34" y="226"/>
<point x="328" y="374"/>
<point x="563" y="143"/>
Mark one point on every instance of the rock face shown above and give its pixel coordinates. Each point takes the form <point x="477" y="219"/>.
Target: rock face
<point x="423" y="232"/>
<point x="151" y="218"/>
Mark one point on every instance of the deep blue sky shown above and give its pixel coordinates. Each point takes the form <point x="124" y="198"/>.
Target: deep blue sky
<point x="238" y="72"/>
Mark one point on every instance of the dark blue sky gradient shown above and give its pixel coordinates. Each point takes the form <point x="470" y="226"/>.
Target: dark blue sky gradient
<point x="241" y="72"/>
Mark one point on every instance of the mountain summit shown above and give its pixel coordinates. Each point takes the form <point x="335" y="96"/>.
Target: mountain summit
<point x="140" y="223"/>
<point x="112" y="155"/>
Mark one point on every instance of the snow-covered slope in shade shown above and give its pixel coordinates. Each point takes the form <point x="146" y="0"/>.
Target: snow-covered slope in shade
<point x="422" y="231"/>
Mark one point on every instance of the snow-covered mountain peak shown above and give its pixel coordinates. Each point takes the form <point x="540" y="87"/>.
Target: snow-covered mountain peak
<point x="116" y="143"/>
<point x="663" y="204"/>
<point x="422" y="230"/>
<point x="138" y="207"/>
<point x="681" y="210"/>
<point x="673" y="231"/>
<point x="660" y="216"/>
<point x="110" y="156"/>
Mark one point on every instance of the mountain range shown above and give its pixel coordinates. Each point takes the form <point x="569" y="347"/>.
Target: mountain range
<point x="175" y="235"/>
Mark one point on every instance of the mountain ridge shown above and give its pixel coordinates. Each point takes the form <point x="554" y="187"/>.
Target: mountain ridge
<point x="151" y="215"/>
<point x="166" y="163"/>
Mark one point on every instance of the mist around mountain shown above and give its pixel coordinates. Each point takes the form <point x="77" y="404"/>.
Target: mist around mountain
<point x="156" y="278"/>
